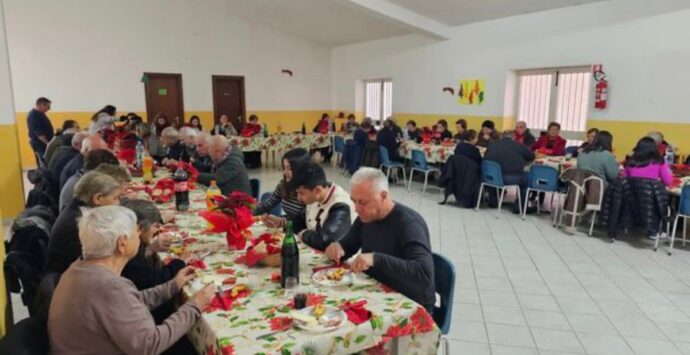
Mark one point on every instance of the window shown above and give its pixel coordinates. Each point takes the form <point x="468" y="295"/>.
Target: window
<point x="555" y="95"/>
<point x="378" y="101"/>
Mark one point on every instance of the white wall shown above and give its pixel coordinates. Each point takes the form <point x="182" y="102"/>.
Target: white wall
<point x="643" y="45"/>
<point x="6" y="101"/>
<point x="83" y="54"/>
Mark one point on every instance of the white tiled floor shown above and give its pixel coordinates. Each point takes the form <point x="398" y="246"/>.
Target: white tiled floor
<point x="524" y="287"/>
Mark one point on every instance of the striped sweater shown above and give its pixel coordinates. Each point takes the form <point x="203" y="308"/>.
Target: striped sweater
<point x="291" y="206"/>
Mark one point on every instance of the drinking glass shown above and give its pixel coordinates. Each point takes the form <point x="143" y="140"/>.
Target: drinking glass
<point x="291" y="285"/>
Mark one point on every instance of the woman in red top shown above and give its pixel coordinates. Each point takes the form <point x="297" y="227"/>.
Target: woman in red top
<point x="252" y="127"/>
<point x="550" y="143"/>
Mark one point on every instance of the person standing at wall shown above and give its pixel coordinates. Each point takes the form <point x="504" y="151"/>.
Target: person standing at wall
<point x="40" y="128"/>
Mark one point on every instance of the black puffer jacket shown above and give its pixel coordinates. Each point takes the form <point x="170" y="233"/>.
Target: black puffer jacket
<point x="461" y="178"/>
<point x="635" y="202"/>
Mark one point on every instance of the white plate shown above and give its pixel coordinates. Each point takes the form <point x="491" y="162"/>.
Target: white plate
<point x="321" y="278"/>
<point x="337" y="315"/>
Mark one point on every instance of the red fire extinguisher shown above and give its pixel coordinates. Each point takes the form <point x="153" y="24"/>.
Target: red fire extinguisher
<point x="601" y="94"/>
<point x="601" y="88"/>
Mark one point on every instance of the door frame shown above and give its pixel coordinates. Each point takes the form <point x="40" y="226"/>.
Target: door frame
<point x="180" y="96"/>
<point x="215" y="78"/>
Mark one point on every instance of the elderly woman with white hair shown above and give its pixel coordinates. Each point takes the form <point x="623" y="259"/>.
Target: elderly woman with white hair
<point x="96" y="311"/>
<point x="93" y="190"/>
<point x="175" y="148"/>
<point x="393" y="239"/>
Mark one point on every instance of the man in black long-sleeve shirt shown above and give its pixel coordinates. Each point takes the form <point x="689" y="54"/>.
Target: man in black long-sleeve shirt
<point x="513" y="157"/>
<point x="394" y="240"/>
<point x="40" y="128"/>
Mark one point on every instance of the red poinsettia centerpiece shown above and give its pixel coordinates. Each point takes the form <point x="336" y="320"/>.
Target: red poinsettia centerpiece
<point x="232" y="216"/>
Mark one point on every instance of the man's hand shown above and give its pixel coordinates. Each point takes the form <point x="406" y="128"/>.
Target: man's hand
<point x="271" y="221"/>
<point x="362" y="262"/>
<point x="335" y="252"/>
<point x="167" y="162"/>
<point x="185" y="275"/>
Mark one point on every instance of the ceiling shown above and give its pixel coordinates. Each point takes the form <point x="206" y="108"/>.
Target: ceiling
<point x="324" y="22"/>
<point x="334" y="23"/>
<point x="460" y="12"/>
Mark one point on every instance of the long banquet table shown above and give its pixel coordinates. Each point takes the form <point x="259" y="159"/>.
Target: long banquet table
<point x="398" y="325"/>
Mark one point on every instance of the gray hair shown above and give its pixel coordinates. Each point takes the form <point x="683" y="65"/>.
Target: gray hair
<point x="204" y="137"/>
<point x="117" y="172"/>
<point x="375" y="176"/>
<point x="147" y="213"/>
<point x="219" y="142"/>
<point x="92" y="184"/>
<point x="100" y="228"/>
<point x="170" y="132"/>
<point x="89" y="142"/>
<point x="656" y="136"/>
<point x="508" y="133"/>
<point x="78" y="139"/>
<point x="188" y="132"/>
<point x="518" y="122"/>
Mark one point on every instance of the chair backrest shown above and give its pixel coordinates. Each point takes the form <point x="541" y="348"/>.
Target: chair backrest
<point x="444" y="280"/>
<point x="256" y="187"/>
<point x="419" y="160"/>
<point x="338" y="144"/>
<point x="684" y="205"/>
<point x="492" y="173"/>
<point x="572" y="149"/>
<point x="385" y="159"/>
<point x="277" y="210"/>
<point x="543" y="178"/>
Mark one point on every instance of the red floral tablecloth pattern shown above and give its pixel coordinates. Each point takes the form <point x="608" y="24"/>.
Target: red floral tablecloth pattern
<point x="396" y="322"/>
<point x="282" y="142"/>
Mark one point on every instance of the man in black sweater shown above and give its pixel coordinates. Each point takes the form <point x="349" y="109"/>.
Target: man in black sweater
<point x="513" y="158"/>
<point x="394" y="240"/>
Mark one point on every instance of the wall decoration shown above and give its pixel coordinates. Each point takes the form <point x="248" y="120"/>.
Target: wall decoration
<point x="449" y="89"/>
<point x="472" y="92"/>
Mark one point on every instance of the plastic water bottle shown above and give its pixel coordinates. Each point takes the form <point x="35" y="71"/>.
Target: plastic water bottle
<point x="140" y="154"/>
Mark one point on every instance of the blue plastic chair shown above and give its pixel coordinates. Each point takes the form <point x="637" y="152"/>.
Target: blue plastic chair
<point x="542" y="178"/>
<point x="388" y="164"/>
<point x="338" y="149"/>
<point x="492" y="176"/>
<point x="419" y="163"/>
<point x="256" y="187"/>
<point x="572" y="150"/>
<point x="444" y="280"/>
<point x="277" y="210"/>
<point x="683" y="212"/>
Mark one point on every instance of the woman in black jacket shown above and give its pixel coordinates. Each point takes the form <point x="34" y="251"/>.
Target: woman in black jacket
<point x="93" y="190"/>
<point x="140" y="269"/>
<point x="388" y="138"/>
<point x="467" y="146"/>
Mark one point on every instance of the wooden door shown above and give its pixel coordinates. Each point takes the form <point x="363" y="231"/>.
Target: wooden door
<point x="228" y="99"/>
<point x="164" y="96"/>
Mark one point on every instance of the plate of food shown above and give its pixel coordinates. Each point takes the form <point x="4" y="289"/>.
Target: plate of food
<point x="336" y="276"/>
<point x="318" y="318"/>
